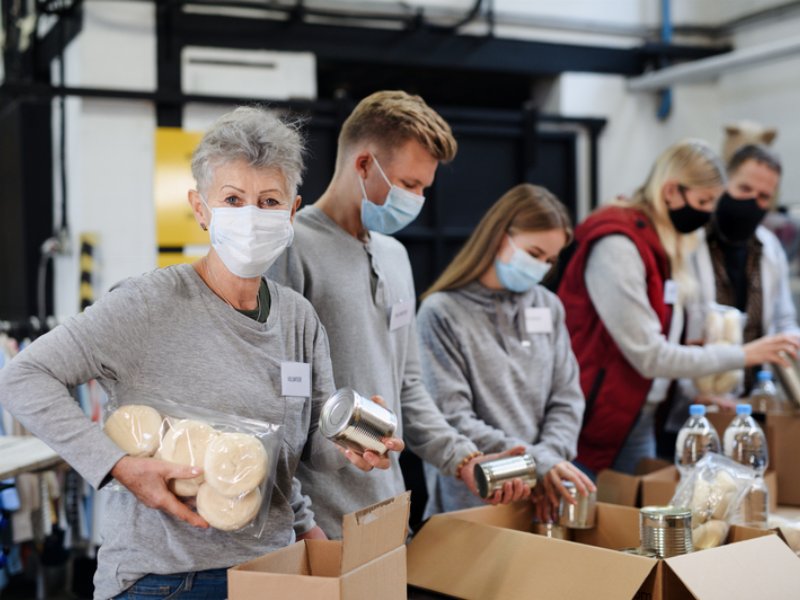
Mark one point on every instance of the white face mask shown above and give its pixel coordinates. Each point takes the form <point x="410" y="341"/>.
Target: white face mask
<point x="249" y="239"/>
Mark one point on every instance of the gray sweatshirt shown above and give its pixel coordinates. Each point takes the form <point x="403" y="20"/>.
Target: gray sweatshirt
<point x="498" y="383"/>
<point x="167" y="335"/>
<point x="353" y="286"/>
<point x="615" y="280"/>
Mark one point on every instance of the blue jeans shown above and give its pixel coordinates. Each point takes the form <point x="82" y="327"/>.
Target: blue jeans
<point x="199" y="585"/>
<point x="640" y="443"/>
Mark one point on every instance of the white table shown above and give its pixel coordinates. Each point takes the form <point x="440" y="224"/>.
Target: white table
<point x="25" y="454"/>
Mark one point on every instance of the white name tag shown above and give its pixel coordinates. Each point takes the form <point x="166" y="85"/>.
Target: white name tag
<point x="296" y="379"/>
<point x="670" y="291"/>
<point x="538" y="320"/>
<point x="402" y="313"/>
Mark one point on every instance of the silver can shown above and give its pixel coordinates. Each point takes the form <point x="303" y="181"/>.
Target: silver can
<point x="356" y="423"/>
<point x="551" y="530"/>
<point x="492" y="474"/>
<point x="665" y="530"/>
<point x="580" y="515"/>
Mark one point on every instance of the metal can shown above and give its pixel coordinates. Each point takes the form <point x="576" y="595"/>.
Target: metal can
<point x="665" y="530"/>
<point x="356" y="423"/>
<point x="551" y="530"/>
<point x="580" y="515"/>
<point x="492" y="474"/>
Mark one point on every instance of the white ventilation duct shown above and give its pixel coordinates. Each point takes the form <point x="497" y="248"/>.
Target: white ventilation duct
<point x="708" y="68"/>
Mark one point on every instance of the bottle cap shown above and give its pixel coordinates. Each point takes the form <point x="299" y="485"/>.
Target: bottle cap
<point x="744" y="409"/>
<point x="697" y="410"/>
<point x="764" y="376"/>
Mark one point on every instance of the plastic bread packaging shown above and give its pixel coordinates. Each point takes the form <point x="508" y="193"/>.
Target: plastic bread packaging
<point x="715" y="491"/>
<point x="238" y="456"/>
<point x="723" y="325"/>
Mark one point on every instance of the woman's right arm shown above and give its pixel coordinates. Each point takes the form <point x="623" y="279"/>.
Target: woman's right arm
<point x="616" y="281"/>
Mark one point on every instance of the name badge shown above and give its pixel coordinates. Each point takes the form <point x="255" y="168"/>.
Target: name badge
<point x="538" y="320"/>
<point x="296" y="379"/>
<point x="670" y="291"/>
<point x="402" y="313"/>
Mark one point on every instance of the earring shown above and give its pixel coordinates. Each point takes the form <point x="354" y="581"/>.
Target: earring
<point x="203" y="227"/>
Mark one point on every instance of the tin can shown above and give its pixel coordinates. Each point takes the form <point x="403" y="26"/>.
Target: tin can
<point x="580" y="515"/>
<point x="665" y="530"/>
<point x="551" y="530"/>
<point x="492" y="474"/>
<point x="356" y="423"/>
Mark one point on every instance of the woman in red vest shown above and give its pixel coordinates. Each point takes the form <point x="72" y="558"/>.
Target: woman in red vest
<point x="623" y="292"/>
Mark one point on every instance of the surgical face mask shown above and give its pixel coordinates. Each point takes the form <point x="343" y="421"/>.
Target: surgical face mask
<point x="737" y="219"/>
<point x="248" y="239"/>
<point x="687" y="218"/>
<point x="522" y="272"/>
<point x="400" y="208"/>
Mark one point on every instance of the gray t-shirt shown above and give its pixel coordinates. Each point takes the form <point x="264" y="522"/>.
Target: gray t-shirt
<point x="166" y="335"/>
<point x="354" y="286"/>
<point x="498" y="381"/>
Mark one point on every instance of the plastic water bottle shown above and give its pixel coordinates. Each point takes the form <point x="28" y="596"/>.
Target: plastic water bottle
<point x="744" y="442"/>
<point x="764" y="397"/>
<point x="695" y="438"/>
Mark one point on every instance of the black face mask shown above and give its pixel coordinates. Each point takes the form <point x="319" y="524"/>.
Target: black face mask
<point x="736" y="219"/>
<point x="687" y="218"/>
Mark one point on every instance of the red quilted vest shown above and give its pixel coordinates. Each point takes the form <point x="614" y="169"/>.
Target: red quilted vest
<point x="614" y="390"/>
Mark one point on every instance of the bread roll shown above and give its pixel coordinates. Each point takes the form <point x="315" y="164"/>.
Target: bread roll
<point x="235" y="463"/>
<point x="225" y="512"/>
<point x="726" y="382"/>
<point x="135" y="428"/>
<point x="185" y="443"/>
<point x="732" y="327"/>
<point x="709" y="535"/>
<point x="714" y="327"/>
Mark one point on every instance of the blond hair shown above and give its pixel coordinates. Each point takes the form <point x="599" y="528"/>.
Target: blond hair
<point x="523" y="208"/>
<point x="693" y="164"/>
<point x="391" y="118"/>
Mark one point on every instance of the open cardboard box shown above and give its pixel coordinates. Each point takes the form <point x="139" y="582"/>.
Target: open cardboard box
<point x="369" y="562"/>
<point x="783" y="437"/>
<point x="487" y="553"/>
<point x="656" y="487"/>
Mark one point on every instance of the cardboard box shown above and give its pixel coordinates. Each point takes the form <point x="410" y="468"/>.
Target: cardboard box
<point x="369" y="562"/>
<point x="487" y="553"/>
<point x="783" y="437"/>
<point x="657" y="488"/>
<point x="614" y="487"/>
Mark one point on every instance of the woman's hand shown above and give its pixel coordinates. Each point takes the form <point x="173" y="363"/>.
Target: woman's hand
<point x="372" y="460"/>
<point x="776" y="349"/>
<point x="512" y="490"/>
<point x="552" y="486"/>
<point x="314" y="533"/>
<point x="147" y="479"/>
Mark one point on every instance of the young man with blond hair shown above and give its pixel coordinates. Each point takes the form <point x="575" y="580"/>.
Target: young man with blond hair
<point x="359" y="280"/>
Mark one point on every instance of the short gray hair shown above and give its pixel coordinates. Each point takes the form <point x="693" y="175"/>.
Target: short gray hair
<point x="255" y="135"/>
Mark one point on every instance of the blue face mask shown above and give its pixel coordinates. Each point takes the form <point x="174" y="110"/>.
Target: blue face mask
<point x="400" y="208"/>
<point x="522" y="272"/>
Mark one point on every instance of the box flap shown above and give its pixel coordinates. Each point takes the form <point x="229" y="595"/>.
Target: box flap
<point x="292" y="560"/>
<point x="373" y="531"/>
<point x="651" y="465"/>
<point x="324" y="557"/>
<point x="472" y="560"/>
<point x="758" y="568"/>
<point x="659" y="487"/>
<point x="617" y="488"/>
<point x="383" y="577"/>
<point x="616" y="527"/>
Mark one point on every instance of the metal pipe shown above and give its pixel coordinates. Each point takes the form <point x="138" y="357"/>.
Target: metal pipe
<point x="708" y="68"/>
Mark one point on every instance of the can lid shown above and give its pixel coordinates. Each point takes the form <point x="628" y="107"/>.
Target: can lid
<point x="337" y="412"/>
<point x="666" y="512"/>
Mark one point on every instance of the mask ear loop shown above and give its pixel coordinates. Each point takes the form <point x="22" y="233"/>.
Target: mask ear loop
<point x="380" y="170"/>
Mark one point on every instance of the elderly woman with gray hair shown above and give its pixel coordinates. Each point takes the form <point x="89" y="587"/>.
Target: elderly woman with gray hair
<point x="213" y="334"/>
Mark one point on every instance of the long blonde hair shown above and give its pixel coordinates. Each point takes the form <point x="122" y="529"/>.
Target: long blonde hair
<point x="693" y="164"/>
<point x="524" y="207"/>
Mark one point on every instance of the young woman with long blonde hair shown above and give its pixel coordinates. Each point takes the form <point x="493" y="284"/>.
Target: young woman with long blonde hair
<point x="495" y="350"/>
<point x="623" y="291"/>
